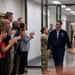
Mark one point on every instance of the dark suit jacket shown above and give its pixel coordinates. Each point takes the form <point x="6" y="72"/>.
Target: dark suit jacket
<point x="63" y="38"/>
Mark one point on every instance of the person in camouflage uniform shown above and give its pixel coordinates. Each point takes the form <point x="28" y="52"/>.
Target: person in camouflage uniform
<point x="44" y="55"/>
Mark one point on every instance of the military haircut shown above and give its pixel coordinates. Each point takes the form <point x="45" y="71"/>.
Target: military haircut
<point x="59" y="21"/>
<point x="8" y="14"/>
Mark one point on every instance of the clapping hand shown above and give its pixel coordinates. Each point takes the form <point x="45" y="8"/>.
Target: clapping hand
<point x="12" y="41"/>
<point x="18" y="38"/>
<point x="13" y="32"/>
<point x="31" y="34"/>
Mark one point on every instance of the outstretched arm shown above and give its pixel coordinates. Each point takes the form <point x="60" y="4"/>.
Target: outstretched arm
<point x="5" y="49"/>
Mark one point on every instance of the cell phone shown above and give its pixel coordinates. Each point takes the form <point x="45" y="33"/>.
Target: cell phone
<point x="22" y="26"/>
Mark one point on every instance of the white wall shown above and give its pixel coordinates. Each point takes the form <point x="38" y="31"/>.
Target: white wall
<point x="15" y="6"/>
<point x="52" y="16"/>
<point x="23" y="9"/>
<point x="64" y="19"/>
<point x="34" y="24"/>
<point x="71" y="18"/>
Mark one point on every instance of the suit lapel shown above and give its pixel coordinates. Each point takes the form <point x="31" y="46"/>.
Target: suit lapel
<point x="56" y="35"/>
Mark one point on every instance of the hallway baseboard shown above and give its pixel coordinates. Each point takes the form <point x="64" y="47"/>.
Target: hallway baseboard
<point x="35" y="62"/>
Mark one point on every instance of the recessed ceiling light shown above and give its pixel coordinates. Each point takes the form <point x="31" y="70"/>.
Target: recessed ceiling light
<point x="63" y="6"/>
<point x="68" y="9"/>
<point x="56" y="2"/>
<point x="71" y="11"/>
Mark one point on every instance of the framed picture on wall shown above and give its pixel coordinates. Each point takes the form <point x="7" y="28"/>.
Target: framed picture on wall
<point x="1" y="16"/>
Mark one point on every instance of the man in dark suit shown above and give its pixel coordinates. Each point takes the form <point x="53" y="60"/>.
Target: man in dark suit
<point x="56" y="43"/>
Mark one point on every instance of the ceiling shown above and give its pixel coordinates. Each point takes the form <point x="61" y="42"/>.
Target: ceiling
<point x="62" y="2"/>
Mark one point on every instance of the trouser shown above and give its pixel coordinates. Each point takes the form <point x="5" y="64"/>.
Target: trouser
<point x="16" y="64"/>
<point x="3" y="67"/>
<point x="58" y="56"/>
<point x="17" y="57"/>
<point x="11" y="64"/>
<point x="7" y="61"/>
<point x="44" y="60"/>
<point x="23" y="62"/>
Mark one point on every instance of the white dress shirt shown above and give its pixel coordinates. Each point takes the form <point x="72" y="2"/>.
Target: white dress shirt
<point x="57" y="35"/>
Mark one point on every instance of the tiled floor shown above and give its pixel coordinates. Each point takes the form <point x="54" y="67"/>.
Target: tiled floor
<point x="69" y="66"/>
<point x="69" y="61"/>
<point x="36" y="71"/>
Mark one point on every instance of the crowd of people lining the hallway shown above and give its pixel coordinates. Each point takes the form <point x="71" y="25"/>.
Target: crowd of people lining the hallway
<point x="15" y="44"/>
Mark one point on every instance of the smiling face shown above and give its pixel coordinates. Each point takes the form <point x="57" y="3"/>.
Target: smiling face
<point x="20" y="20"/>
<point x="10" y="18"/>
<point x="6" y="24"/>
<point x="3" y="33"/>
<point x="58" y="25"/>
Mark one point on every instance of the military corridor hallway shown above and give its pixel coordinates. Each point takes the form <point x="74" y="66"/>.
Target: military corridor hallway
<point x="69" y="66"/>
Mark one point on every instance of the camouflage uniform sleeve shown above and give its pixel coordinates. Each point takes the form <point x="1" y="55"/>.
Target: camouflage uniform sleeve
<point x="43" y="42"/>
